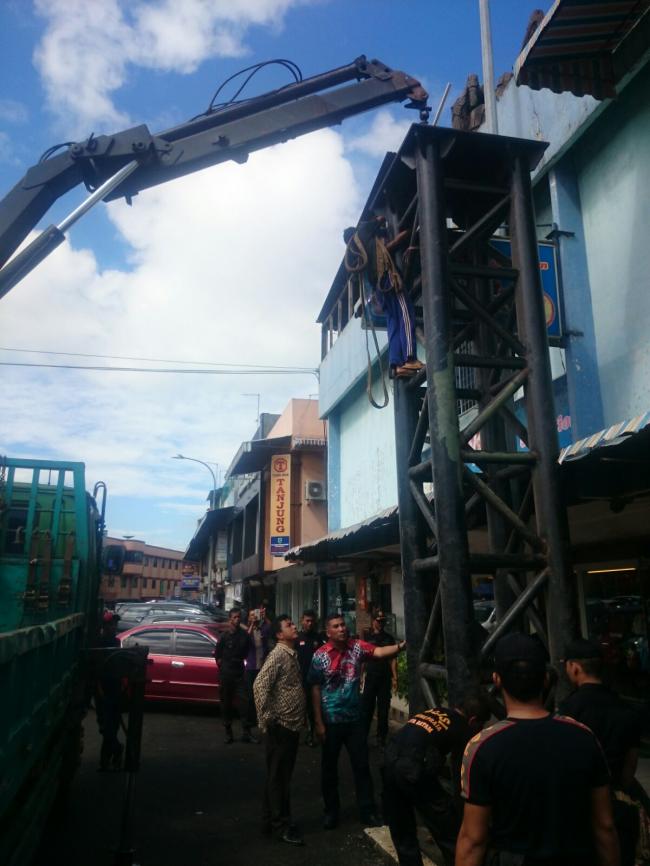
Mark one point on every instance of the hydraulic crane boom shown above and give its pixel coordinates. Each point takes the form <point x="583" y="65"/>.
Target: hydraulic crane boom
<point x="121" y="165"/>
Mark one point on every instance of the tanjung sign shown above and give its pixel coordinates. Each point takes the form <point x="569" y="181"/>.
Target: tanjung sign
<point x="280" y="504"/>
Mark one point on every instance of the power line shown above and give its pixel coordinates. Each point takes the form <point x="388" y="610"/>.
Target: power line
<point x="214" y="372"/>
<point x="154" y="360"/>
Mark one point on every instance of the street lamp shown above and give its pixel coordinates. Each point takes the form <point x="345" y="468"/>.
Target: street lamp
<point x="213" y="498"/>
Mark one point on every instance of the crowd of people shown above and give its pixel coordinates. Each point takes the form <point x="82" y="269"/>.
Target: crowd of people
<point x="534" y="788"/>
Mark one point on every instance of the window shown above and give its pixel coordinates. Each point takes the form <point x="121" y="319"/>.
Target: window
<point x="163" y="585"/>
<point x="134" y="582"/>
<point x="237" y="532"/>
<point x="155" y="562"/>
<point x="153" y="582"/>
<point x="133" y="556"/>
<point x="111" y="580"/>
<point x="159" y="641"/>
<point x="145" y="581"/>
<point x="250" y="528"/>
<point x="192" y="643"/>
<point x="146" y="560"/>
<point x="123" y="582"/>
<point x="113" y="559"/>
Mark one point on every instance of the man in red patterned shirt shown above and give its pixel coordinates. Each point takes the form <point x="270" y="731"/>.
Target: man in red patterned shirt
<point x="334" y="676"/>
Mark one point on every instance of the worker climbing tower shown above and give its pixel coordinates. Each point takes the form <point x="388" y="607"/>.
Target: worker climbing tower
<point x="485" y="341"/>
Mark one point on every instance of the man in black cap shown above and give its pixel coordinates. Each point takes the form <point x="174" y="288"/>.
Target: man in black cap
<point x="618" y="728"/>
<point x="536" y="786"/>
<point x="381" y="678"/>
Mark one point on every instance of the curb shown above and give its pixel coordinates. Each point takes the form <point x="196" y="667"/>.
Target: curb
<point x="380" y="838"/>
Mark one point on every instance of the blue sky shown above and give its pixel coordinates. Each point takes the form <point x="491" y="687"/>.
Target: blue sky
<point x="172" y="277"/>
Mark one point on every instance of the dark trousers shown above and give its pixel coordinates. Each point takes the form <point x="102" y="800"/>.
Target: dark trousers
<point x="407" y="788"/>
<point x="234" y="688"/>
<point x="376" y="692"/>
<point x="281" y="751"/>
<point x="352" y="735"/>
<point x="108" y="721"/>
<point x="310" y="709"/>
<point x="251" y="715"/>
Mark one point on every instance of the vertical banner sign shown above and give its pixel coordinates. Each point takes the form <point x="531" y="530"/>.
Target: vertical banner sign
<point x="280" y="504"/>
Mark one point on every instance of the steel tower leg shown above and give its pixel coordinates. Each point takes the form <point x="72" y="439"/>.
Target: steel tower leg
<point x="453" y="550"/>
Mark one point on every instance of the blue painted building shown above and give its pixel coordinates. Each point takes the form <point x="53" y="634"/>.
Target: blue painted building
<point x="592" y="193"/>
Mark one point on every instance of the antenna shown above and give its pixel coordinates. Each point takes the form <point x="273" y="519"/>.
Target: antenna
<point x="257" y="423"/>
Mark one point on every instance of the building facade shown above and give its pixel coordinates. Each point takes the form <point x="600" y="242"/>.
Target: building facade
<point x="274" y="496"/>
<point x="133" y="569"/>
<point x="592" y="194"/>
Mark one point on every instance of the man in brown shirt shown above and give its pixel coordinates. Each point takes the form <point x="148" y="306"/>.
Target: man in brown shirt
<point x="280" y="704"/>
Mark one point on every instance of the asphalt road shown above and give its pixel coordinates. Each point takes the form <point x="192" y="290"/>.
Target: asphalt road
<point x="198" y="803"/>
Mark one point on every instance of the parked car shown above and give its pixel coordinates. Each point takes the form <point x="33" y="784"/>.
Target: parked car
<point x="181" y="664"/>
<point x="181" y="616"/>
<point x="130" y="613"/>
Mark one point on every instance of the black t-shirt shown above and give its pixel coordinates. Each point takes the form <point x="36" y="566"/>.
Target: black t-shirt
<point x="379" y="668"/>
<point x="615" y="723"/>
<point x="306" y="645"/>
<point x="537" y="776"/>
<point x="441" y="729"/>
<point x="231" y="651"/>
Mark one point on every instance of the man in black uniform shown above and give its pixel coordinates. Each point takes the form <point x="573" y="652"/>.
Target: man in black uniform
<point x="536" y="786"/>
<point x="413" y="760"/>
<point x="108" y="693"/>
<point x="309" y="640"/>
<point x="618" y="728"/>
<point x="381" y="677"/>
<point x="232" y="649"/>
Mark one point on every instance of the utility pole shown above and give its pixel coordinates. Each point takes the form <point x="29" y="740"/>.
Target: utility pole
<point x="488" y="69"/>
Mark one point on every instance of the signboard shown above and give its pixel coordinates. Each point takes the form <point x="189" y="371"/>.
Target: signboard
<point x="191" y="583"/>
<point x="280" y="526"/>
<point x="548" y="273"/>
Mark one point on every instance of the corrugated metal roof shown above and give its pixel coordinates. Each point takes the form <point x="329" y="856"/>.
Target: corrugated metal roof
<point x="217" y="518"/>
<point x="376" y="531"/>
<point x="613" y="435"/>
<point x="585" y="47"/>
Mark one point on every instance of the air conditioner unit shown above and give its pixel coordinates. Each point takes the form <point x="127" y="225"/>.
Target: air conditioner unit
<point x="315" y="490"/>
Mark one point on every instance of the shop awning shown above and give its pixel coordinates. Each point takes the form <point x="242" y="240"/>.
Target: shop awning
<point x="254" y="455"/>
<point x="613" y="464"/>
<point x="614" y="435"/>
<point x="379" y="531"/>
<point x="586" y="47"/>
<point x="219" y="518"/>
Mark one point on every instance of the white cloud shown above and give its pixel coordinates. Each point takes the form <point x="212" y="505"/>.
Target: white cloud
<point x="13" y="111"/>
<point x="385" y="133"/>
<point x="87" y="50"/>
<point x="6" y="150"/>
<point x="230" y="264"/>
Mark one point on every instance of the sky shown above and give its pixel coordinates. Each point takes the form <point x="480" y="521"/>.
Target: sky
<point x="226" y="266"/>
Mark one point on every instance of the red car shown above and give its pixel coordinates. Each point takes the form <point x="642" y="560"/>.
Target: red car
<point x="181" y="664"/>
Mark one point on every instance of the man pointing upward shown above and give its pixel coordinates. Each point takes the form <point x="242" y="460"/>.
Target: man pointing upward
<point x="334" y="676"/>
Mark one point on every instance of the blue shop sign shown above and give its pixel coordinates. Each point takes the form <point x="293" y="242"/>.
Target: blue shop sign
<point x="548" y="271"/>
<point x="280" y="544"/>
<point x="191" y="583"/>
